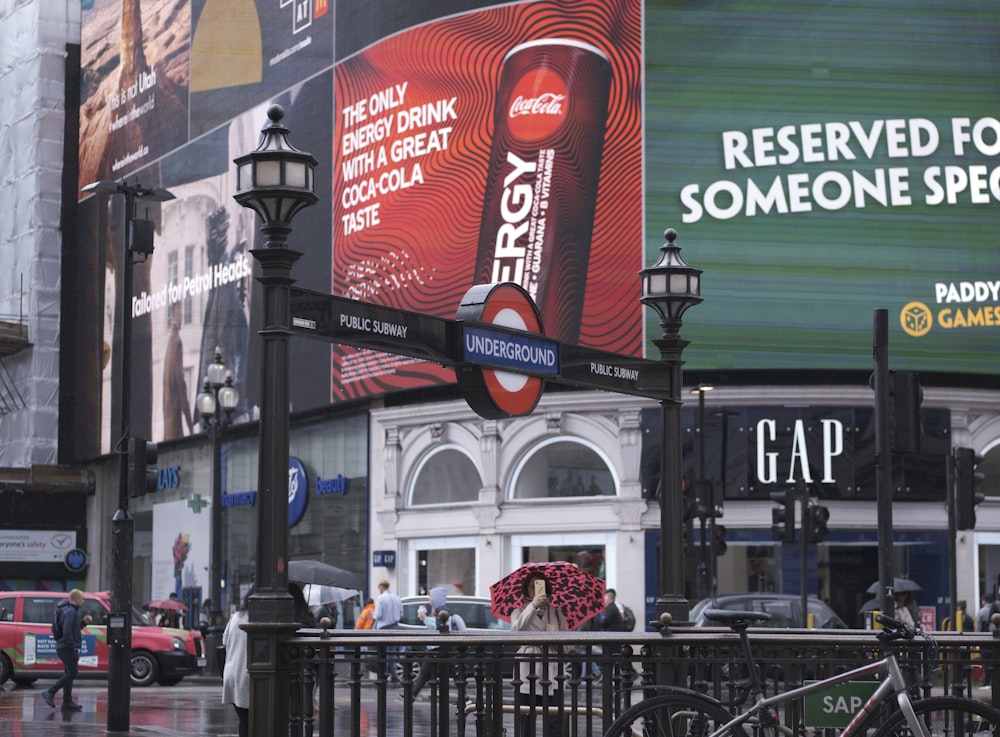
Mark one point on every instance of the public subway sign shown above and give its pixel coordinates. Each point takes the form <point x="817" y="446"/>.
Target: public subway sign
<point x="496" y="346"/>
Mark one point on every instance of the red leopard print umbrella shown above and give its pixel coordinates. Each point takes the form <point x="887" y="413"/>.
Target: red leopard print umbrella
<point x="577" y="594"/>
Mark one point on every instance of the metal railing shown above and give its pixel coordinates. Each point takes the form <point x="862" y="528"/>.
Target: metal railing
<point x="505" y="684"/>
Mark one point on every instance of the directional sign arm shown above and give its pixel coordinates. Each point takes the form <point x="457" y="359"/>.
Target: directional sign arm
<point x="345" y="321"/>
<point x="349" y="322"/>
<point x="595" y="369"/>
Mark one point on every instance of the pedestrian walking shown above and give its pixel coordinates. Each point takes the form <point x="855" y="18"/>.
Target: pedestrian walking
<point x="388" y="608"/>
<point x="388" y="612"/>
<point x="366" y="619"/>
<point x="67" y="624"/>
<point x="235" y="676"/>
<point x="438" y="600"/>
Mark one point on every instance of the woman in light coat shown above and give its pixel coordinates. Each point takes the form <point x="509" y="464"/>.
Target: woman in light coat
<point x="536" y="614"/>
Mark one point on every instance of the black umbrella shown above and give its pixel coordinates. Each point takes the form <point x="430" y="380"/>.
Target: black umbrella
<point x="322" y="574"/>
<point x="870" y="606"/>
<point x="899" y="585"/>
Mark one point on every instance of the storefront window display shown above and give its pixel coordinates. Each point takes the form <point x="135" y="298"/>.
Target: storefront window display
<point x="332" y="527"/>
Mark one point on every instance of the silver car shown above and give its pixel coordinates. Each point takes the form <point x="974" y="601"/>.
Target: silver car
<point x="785" y="610"/>
<point x="474" y="611"/>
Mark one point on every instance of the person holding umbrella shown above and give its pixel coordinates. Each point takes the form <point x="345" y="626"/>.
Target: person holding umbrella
<point x="549" y="596"/>
<point x="537" y="614"/>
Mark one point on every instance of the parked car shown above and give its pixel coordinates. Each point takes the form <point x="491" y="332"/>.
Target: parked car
<point x="785" y="610"/>
<point x="27" y="649"/>
<point x="474" y="611"/>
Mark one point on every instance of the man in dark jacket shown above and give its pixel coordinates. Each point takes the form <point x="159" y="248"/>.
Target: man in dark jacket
<point x="68" y="648"/>
<point x="611" y="619"/>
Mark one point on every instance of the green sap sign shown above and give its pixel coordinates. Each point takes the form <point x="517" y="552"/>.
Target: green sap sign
<point x="837" y="705"/>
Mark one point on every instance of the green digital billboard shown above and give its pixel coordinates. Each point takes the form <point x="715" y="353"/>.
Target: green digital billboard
<point x="821" y="160"/>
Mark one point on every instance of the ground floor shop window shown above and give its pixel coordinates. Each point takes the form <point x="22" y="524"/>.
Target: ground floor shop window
<point x="454" y="568"/>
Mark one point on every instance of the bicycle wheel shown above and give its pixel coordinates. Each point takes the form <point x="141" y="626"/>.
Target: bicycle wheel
<point x="946" y="716"/>
<point x="670" y="715"/>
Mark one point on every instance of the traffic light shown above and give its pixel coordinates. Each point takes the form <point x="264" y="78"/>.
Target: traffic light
<point x="783" y="517"/>
<point x="695" y="499"/>
<point x="905" y="397"/>
<point x="719" y="541"/>
<point x="816" y="518"/>
<point x="142" y="475"/>
<point x="966" y="496"/>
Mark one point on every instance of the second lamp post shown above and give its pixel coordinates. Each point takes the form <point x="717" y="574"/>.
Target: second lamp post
<point x="215" y="403"/>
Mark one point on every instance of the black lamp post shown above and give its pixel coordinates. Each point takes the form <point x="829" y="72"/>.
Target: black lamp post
<point x="215" y="403"/>
<point x="276" y="181"/>
<point x="137" y="239"/>
<point x="706" y="504"/>
<point x="670" y="286"/>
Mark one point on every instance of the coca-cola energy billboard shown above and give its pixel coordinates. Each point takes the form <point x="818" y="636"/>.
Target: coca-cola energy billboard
<point x="498" y="145"/>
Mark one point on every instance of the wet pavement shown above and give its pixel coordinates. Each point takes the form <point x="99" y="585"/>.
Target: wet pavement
<point x="192" y="708"/>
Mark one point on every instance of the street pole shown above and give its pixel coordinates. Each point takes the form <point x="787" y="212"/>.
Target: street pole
<point x="672" y="598"/>
<point x="216" y="402"/>
<point x="276" y="181"/>
<point x="671" y="286"/>
<point x="119" y="634"/>
<point x="122" y="524"/>
<point x="883" y="460"/>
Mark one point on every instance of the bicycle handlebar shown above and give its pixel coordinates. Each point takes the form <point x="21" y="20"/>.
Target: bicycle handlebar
<point x="894" y="629"/>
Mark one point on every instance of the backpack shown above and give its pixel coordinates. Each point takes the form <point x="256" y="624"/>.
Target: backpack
<point x="628" y="619"/>
<point x="57" y="623"/>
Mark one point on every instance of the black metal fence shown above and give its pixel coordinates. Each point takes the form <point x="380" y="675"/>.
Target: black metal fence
<point x="515" y="684"/>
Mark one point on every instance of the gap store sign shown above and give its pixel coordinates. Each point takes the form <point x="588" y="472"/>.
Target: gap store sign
<point x="753" y="451"/>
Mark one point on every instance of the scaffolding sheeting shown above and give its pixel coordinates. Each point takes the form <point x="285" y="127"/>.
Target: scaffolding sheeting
<point x="34" y="35"/>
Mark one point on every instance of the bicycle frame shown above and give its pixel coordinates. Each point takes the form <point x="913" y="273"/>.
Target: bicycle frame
<point x="895" y="683"/>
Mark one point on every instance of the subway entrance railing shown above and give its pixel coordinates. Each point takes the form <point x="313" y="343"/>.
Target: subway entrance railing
<point x="503" y="684"/>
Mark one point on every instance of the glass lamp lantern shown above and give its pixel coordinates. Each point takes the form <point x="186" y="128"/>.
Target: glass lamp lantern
<point x="671" y="285"/>
<point x="276" y="180"/>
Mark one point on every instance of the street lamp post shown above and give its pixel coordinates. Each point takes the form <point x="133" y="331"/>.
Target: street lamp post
<point x="137" y="236"/>
<point x="215" y="403"/>
<point x="276" y="181"/>
<point x="670" y="286"/>
<point x="705" y="505"/>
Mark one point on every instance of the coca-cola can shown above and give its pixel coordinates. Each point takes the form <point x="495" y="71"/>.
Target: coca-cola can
<point x="541" y="186"/>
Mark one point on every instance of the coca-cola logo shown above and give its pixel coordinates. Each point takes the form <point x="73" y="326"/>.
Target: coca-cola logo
<point x="538" y="105"/>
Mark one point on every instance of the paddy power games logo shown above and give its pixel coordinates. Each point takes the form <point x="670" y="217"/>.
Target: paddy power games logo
<point x="958" y="305"/>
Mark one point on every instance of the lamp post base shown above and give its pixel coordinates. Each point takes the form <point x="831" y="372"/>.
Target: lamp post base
<point x="213" y="641"/>
<point x="676" y="606"/>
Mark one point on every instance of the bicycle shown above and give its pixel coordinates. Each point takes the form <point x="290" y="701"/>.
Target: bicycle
<point x="679" y="712"/>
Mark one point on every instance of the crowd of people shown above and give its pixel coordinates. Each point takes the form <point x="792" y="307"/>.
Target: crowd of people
<point x="385" y="612"/>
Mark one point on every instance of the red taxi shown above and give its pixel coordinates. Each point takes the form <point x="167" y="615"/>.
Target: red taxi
<point x="27" y="649"/>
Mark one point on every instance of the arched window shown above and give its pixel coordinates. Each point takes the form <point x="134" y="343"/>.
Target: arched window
<point x="446" y="476"/>
<point x="563" y="468"/>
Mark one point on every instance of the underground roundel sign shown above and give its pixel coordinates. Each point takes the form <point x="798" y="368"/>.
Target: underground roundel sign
<point x="503" y="371"/>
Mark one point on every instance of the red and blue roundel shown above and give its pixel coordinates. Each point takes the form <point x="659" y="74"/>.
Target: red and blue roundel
<point x="492" y="392"/>
<point x="298" y="490"/>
